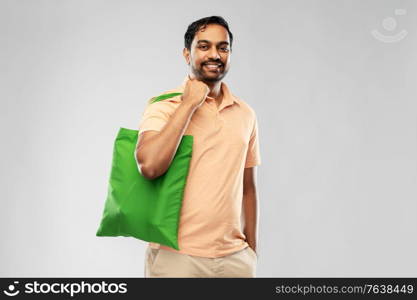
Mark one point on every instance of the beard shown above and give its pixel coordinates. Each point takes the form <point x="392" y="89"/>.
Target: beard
<point x="207" y="76"/>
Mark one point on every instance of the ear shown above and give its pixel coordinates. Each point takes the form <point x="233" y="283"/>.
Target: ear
<point x="186" y="54"/>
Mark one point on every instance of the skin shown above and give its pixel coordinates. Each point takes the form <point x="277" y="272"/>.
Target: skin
<point x="210" y="44"/>
<point x="155" y="150"/>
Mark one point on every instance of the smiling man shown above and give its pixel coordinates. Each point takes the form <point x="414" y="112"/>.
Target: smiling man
<point x="221" y="185"/>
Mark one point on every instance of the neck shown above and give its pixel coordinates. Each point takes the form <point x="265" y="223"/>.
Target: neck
<point x="215" y="90"/>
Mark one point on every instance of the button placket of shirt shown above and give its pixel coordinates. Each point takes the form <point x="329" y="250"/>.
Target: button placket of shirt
<point x="219" y="111"/>
<point x="219" y="118"/>
<point x="211" y="103"/>
<point x="214" y="110"/>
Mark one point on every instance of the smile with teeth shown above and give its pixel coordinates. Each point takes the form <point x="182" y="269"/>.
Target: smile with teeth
<point x="212" y="66"/>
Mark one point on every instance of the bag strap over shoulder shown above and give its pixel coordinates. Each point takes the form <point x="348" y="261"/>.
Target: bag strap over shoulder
<point x="163" y="97"/>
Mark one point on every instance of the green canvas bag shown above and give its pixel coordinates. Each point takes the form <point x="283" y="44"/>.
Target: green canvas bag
<point x="146" y="209"/>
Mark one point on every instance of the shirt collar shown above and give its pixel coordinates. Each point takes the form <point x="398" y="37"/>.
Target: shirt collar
<point x="228" y="98"/>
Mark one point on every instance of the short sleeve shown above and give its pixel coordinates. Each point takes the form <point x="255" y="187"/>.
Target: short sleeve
<point x="154" y="117"/>
<point x="253" y="156"/>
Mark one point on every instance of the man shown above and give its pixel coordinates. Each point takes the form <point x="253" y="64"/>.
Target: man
<point x="222" y="175"/>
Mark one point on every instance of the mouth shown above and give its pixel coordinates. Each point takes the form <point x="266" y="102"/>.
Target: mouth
<point x="213" y="67"/>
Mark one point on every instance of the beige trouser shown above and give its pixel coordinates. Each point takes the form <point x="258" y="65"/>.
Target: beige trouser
<point x="165" y="263"/>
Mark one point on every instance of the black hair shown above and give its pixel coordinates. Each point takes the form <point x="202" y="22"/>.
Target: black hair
<point x="197" y="25"/>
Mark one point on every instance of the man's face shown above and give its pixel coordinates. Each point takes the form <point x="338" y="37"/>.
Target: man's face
<point x="209" y="57"/>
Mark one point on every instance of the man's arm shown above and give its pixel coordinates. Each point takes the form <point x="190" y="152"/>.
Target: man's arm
<point x="156" y="150"/>
<point x="250" y="207"/>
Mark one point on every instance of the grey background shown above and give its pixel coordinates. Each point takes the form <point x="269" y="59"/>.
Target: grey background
<point x="337" y="124"/>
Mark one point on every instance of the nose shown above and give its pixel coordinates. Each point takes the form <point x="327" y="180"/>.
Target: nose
<point x="213" y="53"/>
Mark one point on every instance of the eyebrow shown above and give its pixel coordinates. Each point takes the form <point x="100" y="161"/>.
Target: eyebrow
<point x="206" y="41"/>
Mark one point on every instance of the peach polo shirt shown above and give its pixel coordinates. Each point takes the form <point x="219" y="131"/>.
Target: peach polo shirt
<point x="225" y="142"/>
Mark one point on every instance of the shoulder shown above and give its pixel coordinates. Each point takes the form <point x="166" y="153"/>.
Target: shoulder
<point x="167" y="96"/>
<point x="245" y="107"/>
<point x="165" y="102"/>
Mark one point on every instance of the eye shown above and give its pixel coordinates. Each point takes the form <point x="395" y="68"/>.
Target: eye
<point x="203" y="47"/>
<point x="225" y="49"/>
